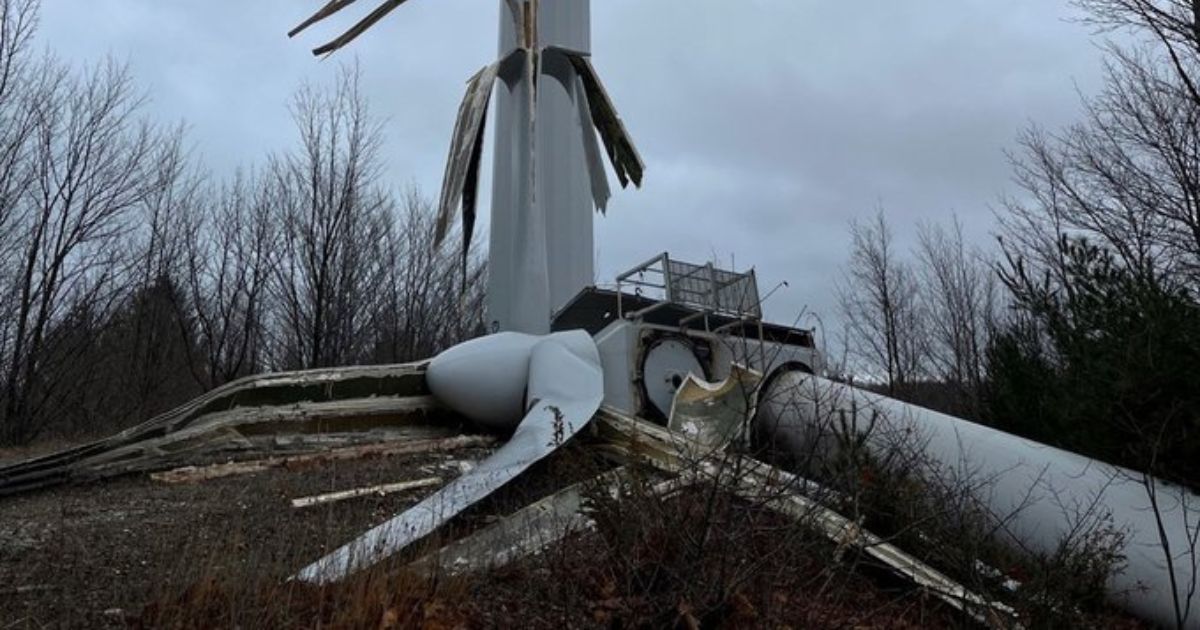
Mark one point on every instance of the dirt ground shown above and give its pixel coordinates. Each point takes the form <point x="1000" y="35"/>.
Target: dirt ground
<point x="134" y="552"/>
<point x="90" y="555"/>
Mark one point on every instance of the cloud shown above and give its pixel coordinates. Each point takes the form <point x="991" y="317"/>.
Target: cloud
<point x="765" y="124"/>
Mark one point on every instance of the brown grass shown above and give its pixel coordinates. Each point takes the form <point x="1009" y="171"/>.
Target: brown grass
<point x="218" y="554"/>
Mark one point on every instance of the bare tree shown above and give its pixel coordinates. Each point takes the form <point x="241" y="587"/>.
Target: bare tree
<point x="960" y="298"/>
<point x="880" y="304"/>
<point x="430" y="302"/>
<point x="120" y="270"/>
<point x="1103" y="257"/>
<point x="1173" y="26"/>
<point x="18" y="22"/>
<point x="229" y="257"/>
<point x="332" y="217"/>
<point x="91" y="162"/>
<point x="154" y="352"/>
<point x="1126" y="177"/>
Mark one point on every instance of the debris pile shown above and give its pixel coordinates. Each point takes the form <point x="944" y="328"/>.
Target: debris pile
<point x="281" y="415"/>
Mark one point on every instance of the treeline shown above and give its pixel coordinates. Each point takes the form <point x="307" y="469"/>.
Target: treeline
<point x="130" y="280"/>
<point x="918" y="323"/>
<point x="1082" y="328"/>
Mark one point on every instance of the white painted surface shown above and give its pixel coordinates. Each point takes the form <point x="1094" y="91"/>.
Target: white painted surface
<point x="541" y="250"/>
<point x="563" y="181"/>
<point x="565" y="387"/>
<point x="618" y="344"/>
<point x="484" y="379"/>
<point x="667" y="365"/>
<point x="1037" y="487"/>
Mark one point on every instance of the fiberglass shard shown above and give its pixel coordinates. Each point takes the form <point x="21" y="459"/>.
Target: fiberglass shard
<point x="595" y="111"/>
<point x="460" y="182"/>
<point x="358" y="29"/>
<point x="626" y="162"/>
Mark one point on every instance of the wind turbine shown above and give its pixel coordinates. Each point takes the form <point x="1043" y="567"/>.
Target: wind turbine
<point x="548" y="177"/>
<point x="548" y="172"/>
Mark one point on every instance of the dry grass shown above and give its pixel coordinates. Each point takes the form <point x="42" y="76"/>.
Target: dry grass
<point x="118" y="545"/>
<point x="218" y="554"/>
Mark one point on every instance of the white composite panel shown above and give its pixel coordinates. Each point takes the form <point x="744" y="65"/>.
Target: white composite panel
<point x="486" y="379"/>
<point x="1037" y="488"/>
<point x="541" y="182"/>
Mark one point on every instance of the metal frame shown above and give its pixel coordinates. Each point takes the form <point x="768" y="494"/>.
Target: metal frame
<point x="682" y="283"/>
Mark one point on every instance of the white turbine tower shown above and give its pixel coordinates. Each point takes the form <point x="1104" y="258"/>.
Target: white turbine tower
<point x="548" y="170"/>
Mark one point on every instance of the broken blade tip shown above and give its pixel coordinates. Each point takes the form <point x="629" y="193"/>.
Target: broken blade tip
<point x="326" y="50"/>
<point x="300" y="28"/>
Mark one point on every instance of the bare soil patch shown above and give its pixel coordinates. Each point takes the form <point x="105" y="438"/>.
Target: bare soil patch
<point x="93" y="554"/>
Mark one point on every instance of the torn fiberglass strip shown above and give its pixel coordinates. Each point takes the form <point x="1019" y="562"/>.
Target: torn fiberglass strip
<point x="333" y="6"/>
<point x="538" y="526"/>
<point x="780" y="491"/>
<point x="617" y="141"/>
<point x="465" y="147"/>
<point x="359" y="28"/>
<point x="601" y="193"/>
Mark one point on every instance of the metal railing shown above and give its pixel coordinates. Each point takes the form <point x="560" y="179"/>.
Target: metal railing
<point x="704" y="288"/>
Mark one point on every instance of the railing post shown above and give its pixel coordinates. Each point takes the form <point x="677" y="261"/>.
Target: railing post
<point x="754" y="285"/>
<point x="667" y="285"/>
<point x="712" y="277"/>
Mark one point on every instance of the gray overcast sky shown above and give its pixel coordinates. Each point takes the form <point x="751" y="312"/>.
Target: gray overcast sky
<point x="766" y="125"/>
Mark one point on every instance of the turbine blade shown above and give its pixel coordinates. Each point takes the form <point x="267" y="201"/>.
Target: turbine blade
<point x="471" y="196"/>
<point x="601" y="192"/>
<point x="565" y="387"/>
<point x="358" y="29"/>
<point x="333" y="6"/>
<point x="462" y="165"/>
<point x="617" y="141"/>
<point x="557" y="64"/>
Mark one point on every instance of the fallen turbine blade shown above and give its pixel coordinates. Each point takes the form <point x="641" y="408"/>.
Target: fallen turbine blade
<point x="566" y="385"/>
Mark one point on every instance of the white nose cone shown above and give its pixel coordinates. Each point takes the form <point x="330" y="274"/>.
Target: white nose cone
<point x="484" y="379"/>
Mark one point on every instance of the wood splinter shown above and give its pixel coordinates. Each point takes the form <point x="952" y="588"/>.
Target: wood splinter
<point x="380" y="490"/>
